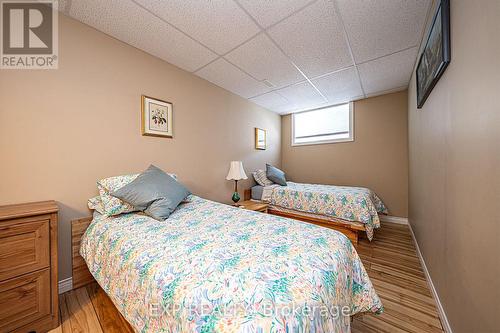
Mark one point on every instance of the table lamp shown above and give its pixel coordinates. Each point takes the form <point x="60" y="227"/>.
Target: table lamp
<point x="236" y="173"/>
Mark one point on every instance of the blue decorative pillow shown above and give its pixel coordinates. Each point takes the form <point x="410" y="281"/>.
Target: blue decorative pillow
<point x="153" y="192"/>
<point x="276" y="175"/>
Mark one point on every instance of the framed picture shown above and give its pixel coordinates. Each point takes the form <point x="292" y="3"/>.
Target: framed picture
<point x="156" y="117"/>
<point x="260" y="139"/>
<point x="436" y="54"/>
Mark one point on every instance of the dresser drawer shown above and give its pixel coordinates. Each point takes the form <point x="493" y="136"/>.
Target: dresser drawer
<point x="24" y="246"/>
<point x="24" y="299"/>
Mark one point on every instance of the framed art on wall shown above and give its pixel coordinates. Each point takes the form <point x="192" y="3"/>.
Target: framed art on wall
<point x="260" y="139"/>
<point x="436" y="54"/>
<point x="156" y="117"/>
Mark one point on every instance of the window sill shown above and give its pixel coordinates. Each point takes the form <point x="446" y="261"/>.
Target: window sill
<point x="322" y="142"/>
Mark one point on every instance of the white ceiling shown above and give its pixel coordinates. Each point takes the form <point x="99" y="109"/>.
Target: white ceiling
<point x="285" y="55"/>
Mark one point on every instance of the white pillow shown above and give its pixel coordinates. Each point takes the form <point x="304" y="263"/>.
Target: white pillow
<point x="95" y="203"/>
<point x="261" y="178"/>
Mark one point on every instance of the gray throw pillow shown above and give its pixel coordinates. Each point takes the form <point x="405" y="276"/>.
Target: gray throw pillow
<point x="154" y="192"/>
<point x="276" y="175"/>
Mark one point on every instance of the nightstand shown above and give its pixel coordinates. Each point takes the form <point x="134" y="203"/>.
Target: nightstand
<point x="28" y="267"/>
<point x="257" y="206"/>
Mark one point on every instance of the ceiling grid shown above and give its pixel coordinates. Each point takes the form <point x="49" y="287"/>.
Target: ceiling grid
<point x="285" y="55"/>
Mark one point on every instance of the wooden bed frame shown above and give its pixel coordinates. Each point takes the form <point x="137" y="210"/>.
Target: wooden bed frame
<point x="353" y="230"/>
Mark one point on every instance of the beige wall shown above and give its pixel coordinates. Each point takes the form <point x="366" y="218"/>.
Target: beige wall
<point x="454" y="145"/>
<point x="61" y="130"/>
<point x="377" y="158"/>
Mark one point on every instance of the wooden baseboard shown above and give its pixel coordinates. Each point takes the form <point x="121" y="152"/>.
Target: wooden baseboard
<point x="393" y="219"/>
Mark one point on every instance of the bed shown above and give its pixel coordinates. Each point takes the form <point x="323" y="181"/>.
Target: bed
<point x="353" y="209"/>
<point x="211" y="267"/>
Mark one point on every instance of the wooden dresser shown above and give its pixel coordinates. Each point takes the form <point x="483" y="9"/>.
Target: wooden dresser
<point x="28" y="267"/>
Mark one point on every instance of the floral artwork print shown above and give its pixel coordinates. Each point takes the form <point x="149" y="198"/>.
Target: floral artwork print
<point x="212" y="267"/>
<point x="156" y="117"/>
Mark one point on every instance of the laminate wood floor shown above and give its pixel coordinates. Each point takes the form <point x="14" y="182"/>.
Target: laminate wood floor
<point x="390" y="260"/>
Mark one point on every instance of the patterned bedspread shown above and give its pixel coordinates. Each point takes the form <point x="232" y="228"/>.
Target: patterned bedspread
<point x="345" y="202"/>
<point x="215" y="268"/>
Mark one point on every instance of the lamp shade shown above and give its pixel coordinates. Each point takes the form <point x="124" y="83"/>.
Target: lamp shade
<point x="236" y="171"/>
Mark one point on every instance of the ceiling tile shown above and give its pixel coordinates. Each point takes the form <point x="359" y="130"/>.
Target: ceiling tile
<point x="221" y="25"/>
<point x="340" y="87"/>
<point x="388" y="72"/>
<point x="229" y="77"/>
<point x="267" y="12"/>
<point x="314" y="39"/>
<point x="271" y="100"/>
<point x="260" y="58"/>
<point x="63" y="5"/>
<point x="378" y="28"/>
<point x="384" y="92"/>
<point x="133" y="25"/>
<point x="285" y="109"/>
<point x="301" y="96"/>
<point x="290" y="108"/>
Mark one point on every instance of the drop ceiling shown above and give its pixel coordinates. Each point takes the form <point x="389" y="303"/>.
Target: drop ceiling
<point x="285" y="55"/>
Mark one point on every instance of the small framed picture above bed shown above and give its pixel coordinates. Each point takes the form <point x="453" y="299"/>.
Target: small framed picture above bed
<point x="260" y="139"/>
<point x="156" y="117"/>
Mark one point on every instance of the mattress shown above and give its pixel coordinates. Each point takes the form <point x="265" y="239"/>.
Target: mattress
<point x="257" y="192"/>
<point x="212" y="267"/>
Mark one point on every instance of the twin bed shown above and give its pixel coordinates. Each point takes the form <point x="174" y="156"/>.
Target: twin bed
<point x="348" y="209"/>
<point x="212" y="267"/>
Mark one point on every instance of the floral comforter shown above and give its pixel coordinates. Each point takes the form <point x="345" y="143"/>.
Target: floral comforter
<point x="344" y="202"/>
<point x="215" y="268"/>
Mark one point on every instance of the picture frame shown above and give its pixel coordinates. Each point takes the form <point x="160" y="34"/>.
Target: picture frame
<point x="156" y="117"/>
<point x="260" y="139"/>
<point x="436" y="54"/>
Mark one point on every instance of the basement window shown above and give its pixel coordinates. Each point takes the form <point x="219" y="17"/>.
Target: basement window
<point x="326" y="125"/>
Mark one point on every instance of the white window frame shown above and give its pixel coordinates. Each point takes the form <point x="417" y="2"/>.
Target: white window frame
<point x="319" y="142"/>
